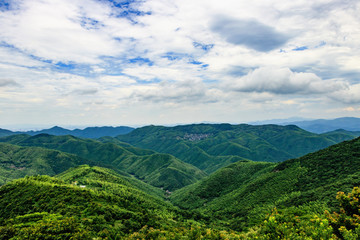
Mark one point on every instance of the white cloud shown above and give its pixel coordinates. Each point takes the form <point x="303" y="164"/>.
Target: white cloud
<point x="180" y="55"/>
<point x="348" y="96"/>
<point x="52" y="30"/>
<point x="284" y="81"/>
<point x="8" y="82"/>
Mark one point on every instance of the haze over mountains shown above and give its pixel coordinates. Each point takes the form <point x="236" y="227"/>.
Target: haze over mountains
<point x="89" y="132"/>
<point x="318" y="125"/>
<point x="314" y="125"/>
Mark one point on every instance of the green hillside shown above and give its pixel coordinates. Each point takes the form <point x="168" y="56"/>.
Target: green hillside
<point x="212" y="146"/>
<point x="17" y="162"/>
<point x="294" y="199"/>
<point x="4" y="132"/>
<point x="99" y="178"/>
<point x="160" y="170"/>
<point x="94" y="203"/>
<point x="341" y="135"/>
<point x="242" y="193"/>
<point x="107" y="205"/>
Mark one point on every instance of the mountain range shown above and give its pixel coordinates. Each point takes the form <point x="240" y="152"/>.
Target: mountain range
<point x="161" y="170"/>
<point x="89" y="132"/>
<point x="319" y="125"/>
<point x="252" y="182"/>
<point x="212" y="146"/>
<point x="312" y="125"/>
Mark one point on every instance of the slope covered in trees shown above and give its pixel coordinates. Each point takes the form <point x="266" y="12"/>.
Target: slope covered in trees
<point x="341" y="135"/>
<point x="17" y="162"/>
<point x="294" y="199"/>
<point x="212" y="146"/>
<point x="161" y="170"/>
<point x="243" y="202"/>
<point x="99" y="178"/>
<point x="107" y="205"/>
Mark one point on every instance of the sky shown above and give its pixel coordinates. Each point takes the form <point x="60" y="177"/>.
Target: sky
<point x="134" y="63"/>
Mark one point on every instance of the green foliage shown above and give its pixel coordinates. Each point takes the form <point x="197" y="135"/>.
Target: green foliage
<point x="91" y="202"/>
<point x="294" y="223"/>
<point x="250" y="190"/>
<point x="97" y="177"/>
<point x="43" y="226"/>
<point x="313" y="221"/>
<point x="17" y="162"/>
<point x="213" y="146"/>
<point x="160" y="170"/>
<point x="347" y="221"/>
<point x="220" y="183"/>
<point x="341" y="135"/>
<point x="108" y="206"/>
<point x="192" y="232"/>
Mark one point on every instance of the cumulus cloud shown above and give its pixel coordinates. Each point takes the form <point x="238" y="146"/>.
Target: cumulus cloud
<point x="250" y="33"/>
<point x="189" y="91"/>
<point x="138" y="56"/>
<point x="284" y="81"/>
<point x="59" y="30"/>
<point x="8" y="82"/>
<point x="89" y="91"/>
<point x="348" y="96"/>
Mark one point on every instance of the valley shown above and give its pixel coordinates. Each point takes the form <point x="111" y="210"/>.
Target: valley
<point x="199" y="181"/>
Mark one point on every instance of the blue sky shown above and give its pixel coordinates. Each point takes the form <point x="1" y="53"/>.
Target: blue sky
<point x="99" y="62"/>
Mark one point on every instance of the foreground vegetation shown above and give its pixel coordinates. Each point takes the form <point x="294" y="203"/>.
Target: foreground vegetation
<point x="240" y="194"/>
<point x="48" y="208"/>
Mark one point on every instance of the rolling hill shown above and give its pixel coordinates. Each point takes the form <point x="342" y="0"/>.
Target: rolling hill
<point x="340" y="135"/>
<point x="287" y="200"/>
<point x="244" y="191"/>
<point x="42" y="207"/>
<point x="160" y="170"/>
<point x="17" y="162"/>
<point x="212" y="146"/>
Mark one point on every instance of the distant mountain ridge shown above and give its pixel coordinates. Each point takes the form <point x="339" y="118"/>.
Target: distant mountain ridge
<point x="326" y="125"/>
<point x="89" y="132"/>
<point x="317" y="125"/>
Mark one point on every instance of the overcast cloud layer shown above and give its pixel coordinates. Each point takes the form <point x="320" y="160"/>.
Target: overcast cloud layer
<point x="114" y="62"/>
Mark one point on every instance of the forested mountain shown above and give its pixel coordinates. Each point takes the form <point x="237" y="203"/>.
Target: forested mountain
<point x="161" y="170"/>
<point x="212" y="146"/>
<point x="4" y="132"/>
<point x="87" y="203"/>
<point x="340" y="135"/>
<point x="243" y="192"/>
<point x="89" y="132"/>
<point x="17" y="162"/>
<point x="95" y="177"/>
<point x="246" y="199"/>
<point x="91" y="202"/>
